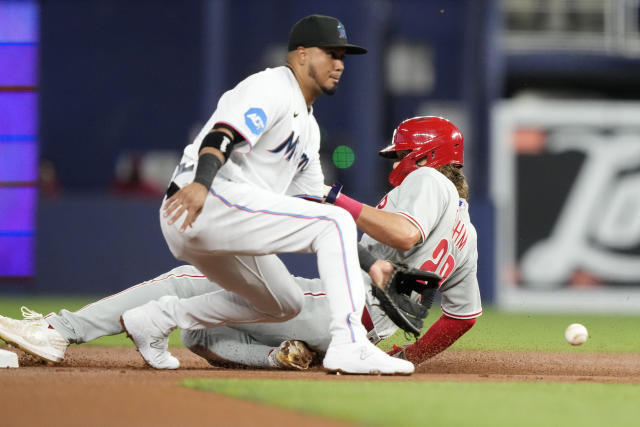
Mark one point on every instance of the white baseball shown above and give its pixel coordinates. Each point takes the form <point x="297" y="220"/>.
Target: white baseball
<point x="576" y="334"/>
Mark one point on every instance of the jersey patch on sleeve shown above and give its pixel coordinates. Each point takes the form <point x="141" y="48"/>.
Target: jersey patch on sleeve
<point x="256" y="120"/>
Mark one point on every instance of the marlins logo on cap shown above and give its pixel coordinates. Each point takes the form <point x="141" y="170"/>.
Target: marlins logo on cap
<point x="320" y="31"/>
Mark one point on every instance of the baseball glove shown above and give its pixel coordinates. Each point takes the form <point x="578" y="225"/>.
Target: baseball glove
<point x="406" y="311"/>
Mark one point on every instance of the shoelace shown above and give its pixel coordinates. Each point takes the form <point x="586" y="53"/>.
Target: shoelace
<point x="29" y="314"/>
<point x="34" y="319"/>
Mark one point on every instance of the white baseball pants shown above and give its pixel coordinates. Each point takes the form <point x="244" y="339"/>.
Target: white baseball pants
<point x="233" y="243"/>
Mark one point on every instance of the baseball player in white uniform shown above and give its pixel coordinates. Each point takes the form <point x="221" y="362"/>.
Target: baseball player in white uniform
<point x="431" y="230"/>
<point x="229" y="211"/>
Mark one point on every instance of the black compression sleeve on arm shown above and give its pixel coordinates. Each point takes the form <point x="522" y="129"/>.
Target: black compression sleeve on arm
<point x="221" y="140"/>
<point x="208" y="166"/>
<point x="366" y="259"/>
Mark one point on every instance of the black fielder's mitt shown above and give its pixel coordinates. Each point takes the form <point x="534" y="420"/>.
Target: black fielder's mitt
<point x="408" y="296"/>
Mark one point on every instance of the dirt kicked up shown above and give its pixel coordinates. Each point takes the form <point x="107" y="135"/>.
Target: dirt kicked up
<point x="111" y="386"/>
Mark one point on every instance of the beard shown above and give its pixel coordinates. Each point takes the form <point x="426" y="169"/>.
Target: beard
<point x="329" y="91"/>
<point x="326" y="90"/>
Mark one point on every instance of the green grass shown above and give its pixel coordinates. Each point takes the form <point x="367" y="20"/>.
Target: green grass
<point x="508" y="331"/>
<point x="10" y="304"/>
<point x="403" y="403"/>
<point x="494" y="330"/>
<point x="406" y="403"/>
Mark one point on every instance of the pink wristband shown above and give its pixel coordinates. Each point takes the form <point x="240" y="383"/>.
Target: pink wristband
<point x="352" y="206"/>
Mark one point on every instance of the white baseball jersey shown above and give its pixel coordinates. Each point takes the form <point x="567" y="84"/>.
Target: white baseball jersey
<point x="448" y="246"/>
<point x="269" y="111"/>
<point x="249" y="216"/>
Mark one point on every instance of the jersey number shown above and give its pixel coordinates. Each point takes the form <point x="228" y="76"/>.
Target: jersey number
<point x="437" y="257"/>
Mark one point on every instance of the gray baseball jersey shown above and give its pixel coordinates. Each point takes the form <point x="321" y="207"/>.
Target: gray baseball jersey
<point x="448" y="245"/>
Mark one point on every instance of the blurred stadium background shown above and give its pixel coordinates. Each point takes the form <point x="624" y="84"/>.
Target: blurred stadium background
<point x="98" y="98"/>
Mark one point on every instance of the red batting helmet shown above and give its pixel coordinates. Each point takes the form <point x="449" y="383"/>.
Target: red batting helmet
<point x="432" y="138"/>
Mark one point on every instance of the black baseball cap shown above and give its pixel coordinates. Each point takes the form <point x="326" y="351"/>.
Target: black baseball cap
<point x="321" y="31"/>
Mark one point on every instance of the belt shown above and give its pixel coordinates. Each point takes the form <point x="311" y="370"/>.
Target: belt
<point x="173" y="189"/>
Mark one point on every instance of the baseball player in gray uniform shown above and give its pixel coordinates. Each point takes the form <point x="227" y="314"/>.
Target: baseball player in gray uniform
<point x="431" y="230"/>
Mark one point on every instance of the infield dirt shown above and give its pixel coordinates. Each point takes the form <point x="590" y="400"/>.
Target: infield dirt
<point x="111" y="386"/>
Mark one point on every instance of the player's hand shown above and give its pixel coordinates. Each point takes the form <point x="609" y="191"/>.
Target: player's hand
<point x="191" y="199"/>
<point x="381" y="272"/>
<point x="398" y="301"/>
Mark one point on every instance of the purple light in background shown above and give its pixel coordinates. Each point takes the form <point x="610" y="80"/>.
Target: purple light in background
<point x="18" y="161"/>
<point x="18" y="209"/>
<point x="19" y="39"/>
<point x="18" y="65"/>
<point x="18" y="113"/>
<point x="19" y="21"/>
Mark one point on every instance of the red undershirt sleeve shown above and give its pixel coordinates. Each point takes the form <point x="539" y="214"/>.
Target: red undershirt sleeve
<point x="444" y="332"/>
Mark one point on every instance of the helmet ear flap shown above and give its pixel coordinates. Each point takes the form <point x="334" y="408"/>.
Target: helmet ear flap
<point x="398" y="175"/>
<point x="408" y="164"/>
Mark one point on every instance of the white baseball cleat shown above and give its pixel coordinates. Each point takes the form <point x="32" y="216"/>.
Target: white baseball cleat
<point x="151" y="341"/>
<point x="292" y="354"/>
<point x="364" y="358"/>
<point x="34" y="336"/>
